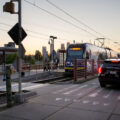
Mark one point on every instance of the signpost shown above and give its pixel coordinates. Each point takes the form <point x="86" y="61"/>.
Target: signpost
<point x="14" y="33"/>
<point x="17" y="34"/>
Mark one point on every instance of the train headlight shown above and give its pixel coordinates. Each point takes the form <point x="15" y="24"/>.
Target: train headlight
<point x="67" y="63"/>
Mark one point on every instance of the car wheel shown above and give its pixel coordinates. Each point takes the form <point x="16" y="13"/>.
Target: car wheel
<point x="102" y="84"/>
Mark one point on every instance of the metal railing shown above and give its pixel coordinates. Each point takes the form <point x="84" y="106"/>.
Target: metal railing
<point x="85" y="68"/>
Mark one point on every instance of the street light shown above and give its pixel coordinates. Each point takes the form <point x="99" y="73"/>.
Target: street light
<point x="51" y="42"/>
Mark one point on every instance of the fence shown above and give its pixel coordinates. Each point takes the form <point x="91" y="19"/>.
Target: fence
<point x="85" y="68"/>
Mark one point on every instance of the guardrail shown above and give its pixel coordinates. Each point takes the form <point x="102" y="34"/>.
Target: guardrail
<point x="85" y="68"/>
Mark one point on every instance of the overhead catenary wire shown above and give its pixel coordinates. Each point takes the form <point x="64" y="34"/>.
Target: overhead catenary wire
<point x="50" y="13"/>
<point x="38" y="33"/>
<point x="43" y="34"/>
<point x="79" y="21"/>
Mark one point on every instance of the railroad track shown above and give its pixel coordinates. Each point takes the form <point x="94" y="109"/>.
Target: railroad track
<point x="63" y="80"/>
<point x="54" y="80"/>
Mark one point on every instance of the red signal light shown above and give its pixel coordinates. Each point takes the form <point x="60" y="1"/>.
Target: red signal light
<point x="100" y="70"/>
<point x="114" y="61"/>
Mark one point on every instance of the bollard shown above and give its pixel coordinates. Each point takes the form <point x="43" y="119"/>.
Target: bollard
<point x="8" y="87"/>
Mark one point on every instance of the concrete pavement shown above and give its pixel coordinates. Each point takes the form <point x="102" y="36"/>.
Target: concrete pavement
<point x="86" y="101"/>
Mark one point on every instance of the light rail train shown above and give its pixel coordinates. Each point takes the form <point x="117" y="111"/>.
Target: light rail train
<point x="86" y="51"/>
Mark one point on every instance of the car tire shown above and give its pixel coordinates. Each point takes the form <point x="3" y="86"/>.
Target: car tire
<point x="102" y="84"/>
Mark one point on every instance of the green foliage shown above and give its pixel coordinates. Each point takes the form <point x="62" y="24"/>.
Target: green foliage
<point x="32" y="61"/>
<point x="10" y="58"/>
<point x="27" y="58"/>
<point x="38" y="55"/>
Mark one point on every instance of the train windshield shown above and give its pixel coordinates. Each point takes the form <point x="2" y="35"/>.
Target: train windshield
<point x="75" y="53"/>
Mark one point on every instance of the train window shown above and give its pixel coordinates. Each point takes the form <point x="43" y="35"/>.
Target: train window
<point x="75" y="53"/>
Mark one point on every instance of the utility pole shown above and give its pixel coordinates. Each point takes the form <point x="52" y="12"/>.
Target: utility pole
<point x="51" y="42"/>
<point x="73" y="41"/>
<point x="102" y="42"/>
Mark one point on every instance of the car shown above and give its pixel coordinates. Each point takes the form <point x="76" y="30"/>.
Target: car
<point x="109" y="72"/>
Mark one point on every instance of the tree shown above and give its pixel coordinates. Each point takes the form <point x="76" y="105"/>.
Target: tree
<point x="38" y="55"/>
<point x="10" y="58"/>
<point x="27" y="58"/>
<point x="32" y="61"/>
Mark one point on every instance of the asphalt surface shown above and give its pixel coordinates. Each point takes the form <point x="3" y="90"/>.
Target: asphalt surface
<point x="86" y="101"/>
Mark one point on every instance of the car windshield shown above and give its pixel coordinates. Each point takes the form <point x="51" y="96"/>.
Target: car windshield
<point x="72" y="54"/>
<point x="112" y="64"/>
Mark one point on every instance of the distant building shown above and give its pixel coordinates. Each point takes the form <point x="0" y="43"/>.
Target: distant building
<point x="68" y="43"/>
<point x="44" y="53"/>
<point x="10" y="44"/>
<point x="62" y="46"/>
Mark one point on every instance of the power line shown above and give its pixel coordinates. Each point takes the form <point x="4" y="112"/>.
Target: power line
<point x="38" y="33"/>
<point x="3" y="30"/>
<point x="77" y="19"/>
<point x="72" y="17"/>
<point x="60" y="18"/>
<point x="5" y="24"/>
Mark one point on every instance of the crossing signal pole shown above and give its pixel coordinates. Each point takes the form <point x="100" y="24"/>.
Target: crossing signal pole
<point x="10" y="7"/>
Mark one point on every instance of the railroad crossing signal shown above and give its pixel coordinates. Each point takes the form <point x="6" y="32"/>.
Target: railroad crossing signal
<point x="9" y="7"/>
<point x="14" y="33"/>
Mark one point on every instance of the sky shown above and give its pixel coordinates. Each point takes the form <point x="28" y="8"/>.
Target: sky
<point x="40" y="19"/>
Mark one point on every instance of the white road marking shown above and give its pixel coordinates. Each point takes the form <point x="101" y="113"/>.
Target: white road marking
<point x="106" y="104"/>
<point x="80" y="94"/>
<point x="108" y="95"/>
<point x="96" y="93"/>
<point x="64" y="89"/>
<point x="75" y="100"/>
<point x="86" y="101"/>
<point x="74" y="90"/>
<point x="67" y="99"/>
<point x="58" y="99"/>
<point x="95" y="102"/>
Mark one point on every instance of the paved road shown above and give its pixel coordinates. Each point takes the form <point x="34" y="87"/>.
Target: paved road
<point x="87" y="101"/>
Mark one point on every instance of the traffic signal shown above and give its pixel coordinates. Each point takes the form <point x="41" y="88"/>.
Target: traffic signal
<point x="9" y="7"/>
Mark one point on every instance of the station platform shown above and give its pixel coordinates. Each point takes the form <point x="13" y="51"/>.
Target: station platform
<point x="29" y="75"/>
<point x="29" y="79"/>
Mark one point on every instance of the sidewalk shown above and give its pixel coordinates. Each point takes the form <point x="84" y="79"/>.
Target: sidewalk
<point x="49" y="105"/>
